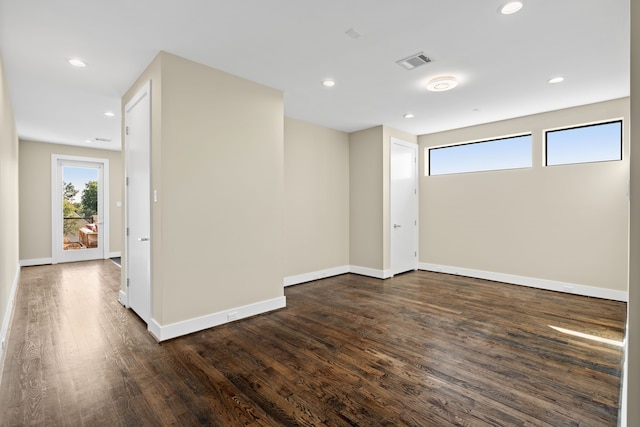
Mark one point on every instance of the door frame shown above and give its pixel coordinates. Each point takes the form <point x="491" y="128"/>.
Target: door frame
<point x="416" y="209"/>
<point x="143" y="95"/>
<point x="57" y="254"/>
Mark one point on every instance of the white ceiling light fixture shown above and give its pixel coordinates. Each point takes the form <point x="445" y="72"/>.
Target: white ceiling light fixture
<point x="109" y="114"/>
<point x="555" y="80"/>
<point x="328" y="83"/>
<point x="511" y="7"/>
<point x="77" y="62"/>
<point x="441" y="84"/>
<point x="408" y="116"/>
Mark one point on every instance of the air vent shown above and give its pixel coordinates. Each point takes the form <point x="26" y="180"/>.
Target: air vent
<point x="413" y="61"/>
<point x="103" y="140"/>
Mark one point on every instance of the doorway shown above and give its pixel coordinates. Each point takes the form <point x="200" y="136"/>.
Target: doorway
<point x="404" y="206"/>
<point x="79" y="206"/>
<point x="138" y="213"/>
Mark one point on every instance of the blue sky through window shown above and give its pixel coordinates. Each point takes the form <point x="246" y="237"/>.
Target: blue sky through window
<point x="78" y="177"/>
<point x="498" y="154"/>
<point x="593" y="143"/>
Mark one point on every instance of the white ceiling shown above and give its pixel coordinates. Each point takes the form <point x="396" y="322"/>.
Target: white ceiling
<point x="502" y="62"/>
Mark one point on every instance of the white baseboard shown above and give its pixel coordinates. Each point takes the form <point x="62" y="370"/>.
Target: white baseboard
<point x="122" y="298"/>
<point x="315" y="275"/>
<point x="155" y="329"/>
<point x="114" y="255"/>
<point x="371" y="272"/>
<point x="532" y="282"/>
<point x="8" y="315"/>
<point x="35" y="261"/>
<point x="622" y="413"/>
<point x="167" y="332"/>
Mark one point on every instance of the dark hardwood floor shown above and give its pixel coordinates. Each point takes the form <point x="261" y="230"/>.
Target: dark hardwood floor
<point x="421" y="349"/>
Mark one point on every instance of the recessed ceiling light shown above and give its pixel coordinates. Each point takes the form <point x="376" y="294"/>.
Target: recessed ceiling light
<point x="88" y="140"/>
<point x="352" y="33"/>
<point x="511" y="7"/>
<point x="109" y="114"/>
<point x="328" y="83"/>
<point x="408" y="116"/>
<point x="556" y="80"/>
<point x="76" y="62"/>
<point x="441" y="84"/>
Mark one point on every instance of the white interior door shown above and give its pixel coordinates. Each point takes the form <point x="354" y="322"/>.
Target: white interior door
<point x="79" y="206"/>
<point x="404" y="206"/>
<point x="138" y="212"/>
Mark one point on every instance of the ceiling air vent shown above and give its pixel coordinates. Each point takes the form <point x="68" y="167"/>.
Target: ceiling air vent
<point x="103" y="140"/>
<point x="413" y="61"/>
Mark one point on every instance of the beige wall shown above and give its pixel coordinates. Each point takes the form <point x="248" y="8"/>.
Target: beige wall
<point x="366" y="198"/>
<point x="9" y="219"/>
<point x="218" y="168"/>
<point x="35" y="196"/>
<point x="563" y="223"/>
<point x="369" y="172"/>
<point x="316" y="183"/>
<point x="633" y="320"/>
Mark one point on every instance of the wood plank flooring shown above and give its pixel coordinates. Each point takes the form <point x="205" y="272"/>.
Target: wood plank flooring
<point x="421" y="349"/>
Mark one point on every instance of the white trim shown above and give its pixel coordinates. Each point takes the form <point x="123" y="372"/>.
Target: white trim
<point x="35" y="261"/>
<point x="8" y="315"/>
<point x="415" y="204"/>
<point x="315" y="275"/>
<point x="122" y="298"/>
<point x="622" y="412"/>
<point x="114" y="255"/>
<point x="57" y="254"/>
<point x="155" y="329"/>
<point x="185" y="327"/>
<point x="144" y="93"/>
<point x="371" y="272"/>
<point x="532" y="282"/>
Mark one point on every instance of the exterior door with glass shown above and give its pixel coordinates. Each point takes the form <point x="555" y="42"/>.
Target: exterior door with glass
<point x="79" y="214"/>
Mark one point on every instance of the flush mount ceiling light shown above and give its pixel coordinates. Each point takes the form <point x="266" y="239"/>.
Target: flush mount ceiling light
<point x="88" y="141"/>
<point x="109" y="114"/>
<point x="511" y="7"/>
<point x="408" y="116"/>
<point x="441" y="84"/>
<point x="556" y="80"/>
<point x="76" y="62"/>
<point x="328" y="83"/>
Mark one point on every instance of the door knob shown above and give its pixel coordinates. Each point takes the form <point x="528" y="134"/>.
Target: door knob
<point x="396" y="226"/>
<point x="143" y="239"/>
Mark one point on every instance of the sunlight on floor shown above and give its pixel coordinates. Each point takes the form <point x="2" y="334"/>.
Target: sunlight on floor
<point x="587" y="336"/>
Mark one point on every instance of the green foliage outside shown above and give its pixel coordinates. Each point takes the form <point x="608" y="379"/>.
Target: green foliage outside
<point x="69" y="190"/>
<point x="88" y="205"/>
<point x="89" y="199"/>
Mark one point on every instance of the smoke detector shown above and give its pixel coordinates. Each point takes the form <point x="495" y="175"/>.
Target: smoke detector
<point x="413" y="61"/>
